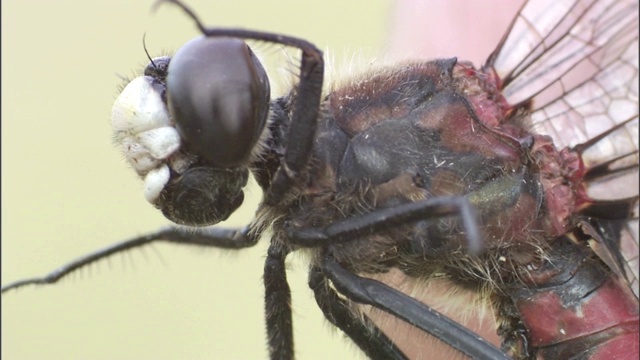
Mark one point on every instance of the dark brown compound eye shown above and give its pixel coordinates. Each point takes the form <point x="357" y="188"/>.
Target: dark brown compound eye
<point x="218" y="95"/>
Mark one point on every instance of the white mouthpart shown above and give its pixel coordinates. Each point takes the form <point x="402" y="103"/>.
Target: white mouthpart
<point x="139" y="107"/>
<point x="142" y="126"/>
<point x="154" y="182"/>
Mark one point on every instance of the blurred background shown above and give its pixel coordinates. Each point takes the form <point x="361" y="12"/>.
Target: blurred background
<point x="66" y="190"/>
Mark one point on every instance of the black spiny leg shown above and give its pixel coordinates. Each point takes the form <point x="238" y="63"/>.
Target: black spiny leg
<point x="375" y="293"/>
<point x="303" y="124"/>
<point x="382" y="219"/>
<point x="278" y="304"/>
<point x="371" y="340"/>
<point x="213" y="237"/>
<point x="305" y="106"/>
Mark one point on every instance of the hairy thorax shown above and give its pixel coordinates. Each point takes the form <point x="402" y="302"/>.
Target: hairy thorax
<point x="426" y="130"/>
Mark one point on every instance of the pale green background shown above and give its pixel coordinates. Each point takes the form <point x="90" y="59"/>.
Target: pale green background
<point x="66" y="191"/>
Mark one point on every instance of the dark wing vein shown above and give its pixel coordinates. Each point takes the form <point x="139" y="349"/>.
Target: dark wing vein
<point x="577" y="61"/>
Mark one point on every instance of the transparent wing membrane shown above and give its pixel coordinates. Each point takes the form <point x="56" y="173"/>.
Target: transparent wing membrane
<point x="577" y="62"/>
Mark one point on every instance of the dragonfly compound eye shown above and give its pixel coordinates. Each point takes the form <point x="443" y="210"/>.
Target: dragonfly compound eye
<point x="218" y="96"/>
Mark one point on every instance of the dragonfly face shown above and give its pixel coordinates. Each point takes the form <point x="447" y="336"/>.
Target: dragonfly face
<point x="523" y="143"/>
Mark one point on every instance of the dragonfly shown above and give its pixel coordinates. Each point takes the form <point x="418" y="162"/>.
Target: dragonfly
<point x="469" y="228"/>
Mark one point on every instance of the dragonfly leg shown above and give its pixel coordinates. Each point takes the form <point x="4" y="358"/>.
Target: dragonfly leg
<point x="230" y="238"/>
<point x="372" y="292"/>
<point x="278" y="304"/>
<point x="385" y="218"/>
<point x="371" y="340"/>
